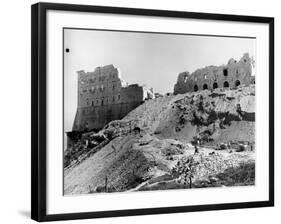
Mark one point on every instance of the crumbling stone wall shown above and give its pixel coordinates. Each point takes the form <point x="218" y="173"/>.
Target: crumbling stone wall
<point x="233" y="74"/>
<point x="103" y="96"/>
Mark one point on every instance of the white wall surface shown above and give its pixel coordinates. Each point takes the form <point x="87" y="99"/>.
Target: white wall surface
<point x="15" y="110"/>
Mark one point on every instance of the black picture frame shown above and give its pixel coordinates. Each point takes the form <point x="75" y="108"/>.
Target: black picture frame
<point x="39" y="122"/>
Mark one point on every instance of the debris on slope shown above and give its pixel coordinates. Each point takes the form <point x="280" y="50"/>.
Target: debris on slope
<point x="123" y="163"/>
<point x="141" y="151"/>
<point x="208" y="114"/>
<point x="88" y="145"/>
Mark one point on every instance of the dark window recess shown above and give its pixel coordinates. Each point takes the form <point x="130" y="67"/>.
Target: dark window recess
<point x="237" y="83"/>
<point x="205" y="86"/>
<point x="225" y="84"/>
<point x="195" y="88"/>
<point x="225" y="73"/>
<point x="215" y="85"/>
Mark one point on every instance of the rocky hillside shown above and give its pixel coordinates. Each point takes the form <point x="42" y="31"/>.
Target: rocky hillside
<point x="218" y="116"/>
<point x="151" y="148"/>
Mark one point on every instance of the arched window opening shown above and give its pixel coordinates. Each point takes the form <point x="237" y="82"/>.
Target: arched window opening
<point x="195" y="88"/>
<point x="237" y="83"/>
<point x="205" y="86"/>
<point x="102" y="102"/>
<point x="215" y="85"/>
<point x="225" y="84"/>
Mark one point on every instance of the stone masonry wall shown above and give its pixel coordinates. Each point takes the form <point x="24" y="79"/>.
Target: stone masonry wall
<point x="103" y="96"/>
<point x="233" y="74"/>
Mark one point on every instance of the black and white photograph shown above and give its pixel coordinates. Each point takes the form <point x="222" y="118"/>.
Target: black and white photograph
<point x="140" y="111"/>
<point x="148" y="111"/>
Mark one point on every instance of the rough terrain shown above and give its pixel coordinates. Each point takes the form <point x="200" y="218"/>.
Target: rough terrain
<point x="153" y="147"/>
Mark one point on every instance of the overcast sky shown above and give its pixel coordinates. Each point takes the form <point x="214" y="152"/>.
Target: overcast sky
<point x="144" y="58"/>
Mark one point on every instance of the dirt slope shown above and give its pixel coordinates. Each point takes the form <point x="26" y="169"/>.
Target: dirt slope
<point x="222" y="115"/>
<point x="140" y="151"/>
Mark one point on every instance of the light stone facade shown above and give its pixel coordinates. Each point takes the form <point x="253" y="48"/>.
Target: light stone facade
<point x="103" y="96"/>
<point x="234" y="74"/>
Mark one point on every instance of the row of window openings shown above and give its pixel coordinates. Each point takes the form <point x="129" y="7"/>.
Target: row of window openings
<point x="102" y="101"/>
<point x="100" y="79"/>
<point x="101" y="88"/>
<point x="225" y="73"/>
<point x="215" y="85"/>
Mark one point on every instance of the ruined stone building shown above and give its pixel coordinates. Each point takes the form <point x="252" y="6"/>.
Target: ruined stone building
<point x="233" y="74"/>
<point x="103" y="96"/>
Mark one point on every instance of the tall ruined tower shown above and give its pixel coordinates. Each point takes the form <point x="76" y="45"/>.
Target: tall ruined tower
<point x="103" y="96"/>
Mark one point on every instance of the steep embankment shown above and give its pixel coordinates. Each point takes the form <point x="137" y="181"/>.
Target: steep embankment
<point x="219" y="116"/>
<point x="122" y="164"/>
<point x="143" y="150"/>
